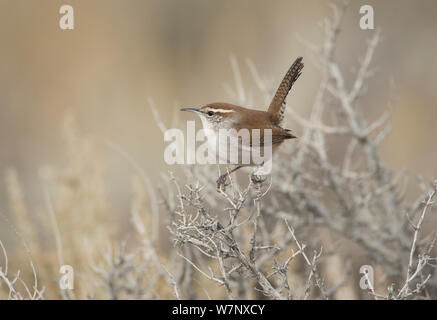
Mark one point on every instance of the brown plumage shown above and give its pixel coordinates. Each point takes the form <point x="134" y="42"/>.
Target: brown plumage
<point x="221" y="115"/>
<point x="277" y="106"/>
<point x="244" y="118"/>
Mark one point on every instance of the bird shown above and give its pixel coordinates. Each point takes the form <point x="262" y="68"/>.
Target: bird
<point x="219" y="116"/>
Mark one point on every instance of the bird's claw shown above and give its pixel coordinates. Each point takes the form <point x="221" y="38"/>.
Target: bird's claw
<point x="257" y="179"/>
<point x="221" y="182"/>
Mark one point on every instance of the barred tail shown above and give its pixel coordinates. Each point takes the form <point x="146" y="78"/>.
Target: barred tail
<point x="277" y="106"/>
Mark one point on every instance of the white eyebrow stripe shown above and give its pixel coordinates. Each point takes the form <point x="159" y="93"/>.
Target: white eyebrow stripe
<point x="222" y="110"/>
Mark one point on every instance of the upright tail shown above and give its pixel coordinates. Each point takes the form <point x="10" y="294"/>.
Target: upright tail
<point x="277" y="106"/>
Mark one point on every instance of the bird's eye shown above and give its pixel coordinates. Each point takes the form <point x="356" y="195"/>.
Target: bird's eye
<point x="210" y="113"/>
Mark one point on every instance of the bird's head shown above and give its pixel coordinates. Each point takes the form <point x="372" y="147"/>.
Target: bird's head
<point x="216" y="115"/>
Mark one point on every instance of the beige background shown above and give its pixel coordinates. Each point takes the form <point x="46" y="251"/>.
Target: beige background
<point x="177" y="52"/>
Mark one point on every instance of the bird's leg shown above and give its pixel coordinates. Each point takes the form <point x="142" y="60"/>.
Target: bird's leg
<point x="221" y="181"/>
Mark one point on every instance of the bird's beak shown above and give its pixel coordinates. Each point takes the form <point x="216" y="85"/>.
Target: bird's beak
<point x="190" y="109"/>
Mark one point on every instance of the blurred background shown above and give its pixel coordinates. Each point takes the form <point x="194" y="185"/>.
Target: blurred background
<point x="96" y="79"/>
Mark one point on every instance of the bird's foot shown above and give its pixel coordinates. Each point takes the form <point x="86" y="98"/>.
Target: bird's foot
<point x="221" y="182"/>
<point x="257" y="178"/>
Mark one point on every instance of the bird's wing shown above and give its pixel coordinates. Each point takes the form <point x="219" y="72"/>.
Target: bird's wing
<point x="277" y="106"/>
<point x="278" y="135"/>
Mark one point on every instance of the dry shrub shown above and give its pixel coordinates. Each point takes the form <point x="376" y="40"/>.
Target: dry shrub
<point x="294" y="236"/>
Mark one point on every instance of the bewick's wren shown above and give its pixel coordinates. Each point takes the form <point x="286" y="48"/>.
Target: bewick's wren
<point x="216" y="116"/>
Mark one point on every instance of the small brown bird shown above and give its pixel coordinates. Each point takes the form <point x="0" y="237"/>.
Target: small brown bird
<point x="216" y="116"/>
